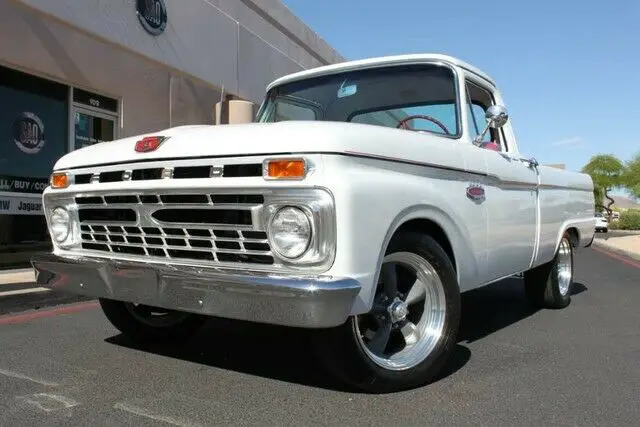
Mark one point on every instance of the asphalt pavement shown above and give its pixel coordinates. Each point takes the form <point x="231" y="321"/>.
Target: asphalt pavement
<point x="66" y="365"/>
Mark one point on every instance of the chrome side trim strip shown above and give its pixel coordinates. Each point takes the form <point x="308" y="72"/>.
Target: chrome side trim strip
<point x="561" y="187"/>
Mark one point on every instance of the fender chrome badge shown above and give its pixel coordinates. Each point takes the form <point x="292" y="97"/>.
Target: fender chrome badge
<point x="149" y="143"/>
<point x="475" y="192"/>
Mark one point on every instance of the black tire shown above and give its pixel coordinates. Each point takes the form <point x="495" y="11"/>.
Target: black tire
<point x="340" y="349"/>
<point x="542" y="285"/>
<point x="120" y="315"/>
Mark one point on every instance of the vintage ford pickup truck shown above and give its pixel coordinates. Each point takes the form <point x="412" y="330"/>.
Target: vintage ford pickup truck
<point x="364" y="200"/>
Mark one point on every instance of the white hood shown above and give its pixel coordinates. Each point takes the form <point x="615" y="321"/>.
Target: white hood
<point x="262" y="139"/>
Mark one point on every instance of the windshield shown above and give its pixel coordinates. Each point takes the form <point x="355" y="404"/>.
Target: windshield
<point x="380" y="96"/>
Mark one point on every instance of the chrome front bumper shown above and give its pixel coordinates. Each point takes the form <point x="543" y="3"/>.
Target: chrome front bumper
<point x="309" y="302"/>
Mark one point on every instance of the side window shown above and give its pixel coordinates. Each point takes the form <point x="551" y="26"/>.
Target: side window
<point x="478" y="101"/>
<point x="476" y="116"/>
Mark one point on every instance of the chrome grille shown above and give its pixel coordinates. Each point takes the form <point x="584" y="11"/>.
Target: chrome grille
<point x="222" y="228"/>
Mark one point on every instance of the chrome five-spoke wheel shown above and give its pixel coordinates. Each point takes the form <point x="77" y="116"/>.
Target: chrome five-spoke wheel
<point x="408" y="314"/>
<point x="411" y="329"/>
<point x="549" y="285"/>
<point x="565" y="267"/>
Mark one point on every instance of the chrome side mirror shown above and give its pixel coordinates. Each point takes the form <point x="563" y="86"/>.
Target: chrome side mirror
<point x="496" y="117"/>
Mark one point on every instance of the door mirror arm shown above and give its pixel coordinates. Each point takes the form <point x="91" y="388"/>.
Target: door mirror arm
<point x="496" y="117"/>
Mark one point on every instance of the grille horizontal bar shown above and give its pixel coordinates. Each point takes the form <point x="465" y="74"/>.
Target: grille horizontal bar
<point x="239" y="200"/>
<point x="179" y="172"/>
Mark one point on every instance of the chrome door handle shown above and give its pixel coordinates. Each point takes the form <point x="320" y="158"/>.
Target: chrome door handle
<point x="533" y="163"/>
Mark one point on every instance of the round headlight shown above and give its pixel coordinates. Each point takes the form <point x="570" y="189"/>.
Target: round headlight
<point x="60" y="224"/>
<point x="290" y="232"/>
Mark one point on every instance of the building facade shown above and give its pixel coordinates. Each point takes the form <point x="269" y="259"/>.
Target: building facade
<point x="75" y="73"/>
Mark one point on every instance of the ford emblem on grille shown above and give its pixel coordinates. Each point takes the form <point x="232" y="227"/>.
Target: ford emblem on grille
<point x="149" y="143"/>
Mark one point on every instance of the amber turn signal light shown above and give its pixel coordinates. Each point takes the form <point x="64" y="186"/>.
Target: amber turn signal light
<point x="286" y="169"/>
<point x="59" y="180"/>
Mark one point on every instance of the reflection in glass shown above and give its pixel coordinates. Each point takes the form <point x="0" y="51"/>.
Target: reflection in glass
<point x="381" y="96"/>
<point x="90" y="130"/>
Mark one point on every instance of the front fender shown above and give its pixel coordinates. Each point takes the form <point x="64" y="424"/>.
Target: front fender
<point x="465" y="261"/>
<point x="376" y="198"/>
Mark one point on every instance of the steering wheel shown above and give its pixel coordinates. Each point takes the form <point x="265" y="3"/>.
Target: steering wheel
<point x="402" y="124"/>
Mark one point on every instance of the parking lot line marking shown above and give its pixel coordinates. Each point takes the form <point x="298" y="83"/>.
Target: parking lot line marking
<point x="20" y="376"/>
<point x="48" y="402"/>
<point x="618" y="257"/>
<point x="23" y="291"/>
<point x="25" y="317"/>
<point x="143" y="412"/>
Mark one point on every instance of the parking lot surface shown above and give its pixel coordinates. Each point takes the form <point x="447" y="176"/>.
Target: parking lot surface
<point x="66" y="365"/>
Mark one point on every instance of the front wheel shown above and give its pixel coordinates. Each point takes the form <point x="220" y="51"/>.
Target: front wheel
<point x="549" y="285"/>
<point x="411" y="330"/>
<point x="145" y="323"/>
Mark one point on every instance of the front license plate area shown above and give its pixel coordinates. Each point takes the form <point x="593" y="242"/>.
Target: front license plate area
<point x="134" y="284"/>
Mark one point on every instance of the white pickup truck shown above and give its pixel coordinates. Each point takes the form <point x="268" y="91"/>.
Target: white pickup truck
<point x="366" y="198"/>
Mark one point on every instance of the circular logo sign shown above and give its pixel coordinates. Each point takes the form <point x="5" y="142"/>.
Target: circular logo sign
<point x="28" y="133"/>
<point x="152" y="14"/>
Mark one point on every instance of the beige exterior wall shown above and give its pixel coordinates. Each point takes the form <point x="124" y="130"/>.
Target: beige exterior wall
<point x="238" y="44"/>
<point x="557" y="165"/>
<point x="172" y="79"/>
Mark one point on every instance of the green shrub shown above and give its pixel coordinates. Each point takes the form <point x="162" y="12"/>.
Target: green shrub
<point x="629" y="220"/>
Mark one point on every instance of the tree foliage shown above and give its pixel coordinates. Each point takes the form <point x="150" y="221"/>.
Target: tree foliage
<point x="607" y="172"/>
<point x="632" y="176"/>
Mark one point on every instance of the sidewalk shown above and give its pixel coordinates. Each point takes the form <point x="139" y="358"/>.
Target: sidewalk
<point x="23" y="275"/>
<point x="627" y="245"/>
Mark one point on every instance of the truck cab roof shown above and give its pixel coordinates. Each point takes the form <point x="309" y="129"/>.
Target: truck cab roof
<point x="381" y="61"/>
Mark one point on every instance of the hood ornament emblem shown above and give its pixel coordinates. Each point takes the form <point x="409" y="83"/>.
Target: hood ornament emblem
<point x="149" y="143"/>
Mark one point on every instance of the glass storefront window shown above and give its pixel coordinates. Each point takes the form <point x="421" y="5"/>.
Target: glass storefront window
<point x="34" y="134"/>
<point x="92" y="128"/>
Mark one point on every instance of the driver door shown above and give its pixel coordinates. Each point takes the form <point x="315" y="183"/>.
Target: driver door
<point x="511" y="212"/>
<point x="511" y="192"/>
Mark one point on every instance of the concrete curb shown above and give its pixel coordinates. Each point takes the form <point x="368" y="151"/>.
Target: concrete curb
<point x="25" y="275"/>
<point x="604" y="244"/>
<point x="628" y="232"/>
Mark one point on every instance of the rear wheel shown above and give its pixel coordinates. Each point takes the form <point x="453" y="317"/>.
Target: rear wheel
<point x="411" y="330"/>
<point x="549" y="285"/>
<point x="145" y="323"/>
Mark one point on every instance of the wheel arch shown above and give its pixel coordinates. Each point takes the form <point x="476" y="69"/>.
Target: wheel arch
<point x="573" y="231"/>
<point x="433" y="229"/>
<point x="574" y="236"/>
<point x="443" y="228"/>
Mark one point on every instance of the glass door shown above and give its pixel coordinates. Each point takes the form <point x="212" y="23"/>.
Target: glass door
<point x="92" y="127"/>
